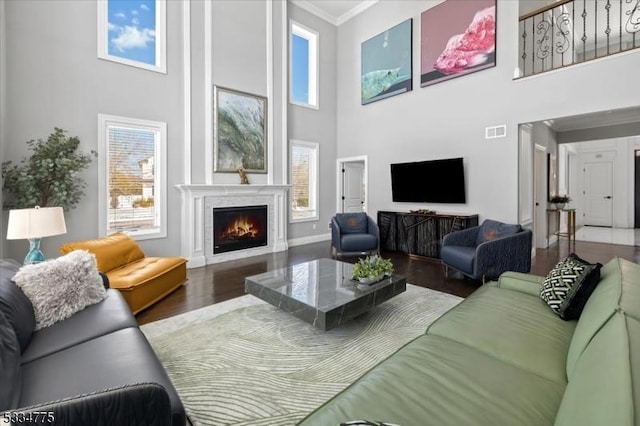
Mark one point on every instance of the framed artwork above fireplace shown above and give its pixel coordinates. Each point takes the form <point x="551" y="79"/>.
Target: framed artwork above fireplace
<point x="240" y="131"/>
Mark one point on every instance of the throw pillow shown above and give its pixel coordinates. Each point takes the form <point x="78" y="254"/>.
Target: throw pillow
<point x="59" y="288"/>
<point x="568" y="286"/>
<point x="492" y="230"/>
<point x="352" y="223"/>
<point x="15" y="306"/>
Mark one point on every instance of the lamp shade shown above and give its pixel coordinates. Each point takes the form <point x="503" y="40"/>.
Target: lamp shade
<point x="35" y="223"/>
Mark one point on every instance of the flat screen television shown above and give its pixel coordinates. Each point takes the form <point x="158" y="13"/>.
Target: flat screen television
<point x="436" y="181"/>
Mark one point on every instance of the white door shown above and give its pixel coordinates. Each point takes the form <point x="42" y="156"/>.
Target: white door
<point x="598" y="193"/>
<point x="353" y="187"/>
<point x="540" y="198"/>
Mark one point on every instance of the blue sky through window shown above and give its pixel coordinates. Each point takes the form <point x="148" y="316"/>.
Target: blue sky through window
<point x="300" y="69"/>
<point x="132" y="30"/>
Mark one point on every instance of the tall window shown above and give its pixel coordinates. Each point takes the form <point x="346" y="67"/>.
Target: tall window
<point x="132" y="176"/>
<point x="303" y="66"/>
<point x="133" y="32"/>
<point x="304" y="180"/>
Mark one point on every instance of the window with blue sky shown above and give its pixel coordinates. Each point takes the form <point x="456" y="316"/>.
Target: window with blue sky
<point x="133" y="32"/>
<point x="303" y="63"/>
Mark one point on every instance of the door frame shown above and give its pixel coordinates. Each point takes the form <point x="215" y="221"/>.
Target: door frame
<point x="540" y="226"/>
<point x="339" y="184"/>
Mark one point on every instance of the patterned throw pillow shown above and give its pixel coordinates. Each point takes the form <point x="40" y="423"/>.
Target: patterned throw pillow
<point x="568" y="286"/>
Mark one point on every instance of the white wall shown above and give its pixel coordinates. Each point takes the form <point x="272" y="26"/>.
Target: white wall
<point x="54" y="79"/>
<point x="318" y="125"/>
<point x="448" y="119"/>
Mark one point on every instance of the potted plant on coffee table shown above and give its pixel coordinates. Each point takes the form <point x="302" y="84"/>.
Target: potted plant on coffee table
<point x="372" y="269"/>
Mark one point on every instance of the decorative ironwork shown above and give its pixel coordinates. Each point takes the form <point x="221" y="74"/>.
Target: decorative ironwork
<point x="633" y="23"/>
<point x="543" y="42"/>
<point x="563" y="23"/>
<point x="572" y="31"/>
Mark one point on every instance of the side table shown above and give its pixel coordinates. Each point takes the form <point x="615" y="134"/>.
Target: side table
<point x="571" y="224"/>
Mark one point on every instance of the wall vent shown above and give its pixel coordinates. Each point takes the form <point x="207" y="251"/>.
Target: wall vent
<point x="495" y="132"/>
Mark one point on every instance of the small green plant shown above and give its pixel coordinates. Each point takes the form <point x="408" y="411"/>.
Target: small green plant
<point x="560" y="199"/>
<point x="372" y="267"/>
<point x="50" y="177"/>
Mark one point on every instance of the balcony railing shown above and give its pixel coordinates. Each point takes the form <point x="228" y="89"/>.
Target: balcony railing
<point x="573" y="31"/>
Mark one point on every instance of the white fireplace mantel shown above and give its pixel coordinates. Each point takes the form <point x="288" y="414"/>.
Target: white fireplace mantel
<point x="197" y="204"/>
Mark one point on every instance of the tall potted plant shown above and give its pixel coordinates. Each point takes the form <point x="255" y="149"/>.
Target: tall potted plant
<point x="50" y="176"/>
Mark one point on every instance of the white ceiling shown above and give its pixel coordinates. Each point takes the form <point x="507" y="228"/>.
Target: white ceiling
<point x="335" y="11"/>
<point x="594" y="120"/>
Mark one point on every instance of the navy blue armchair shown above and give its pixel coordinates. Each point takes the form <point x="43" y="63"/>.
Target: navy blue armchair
<point x="486" y="251"/>
<point x="354" y="233"/>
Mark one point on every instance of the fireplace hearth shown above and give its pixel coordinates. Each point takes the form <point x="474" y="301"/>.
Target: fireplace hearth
<point x="239" y="228"/>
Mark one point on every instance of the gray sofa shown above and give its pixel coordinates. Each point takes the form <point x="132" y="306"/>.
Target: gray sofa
<point x="94" y="368"/>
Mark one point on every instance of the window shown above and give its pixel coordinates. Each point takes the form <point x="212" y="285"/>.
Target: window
<point x="304" y="181"/>
<point x="132" y="176"/>
<point x="303" y="66"/>
<point x="133" y="32"/>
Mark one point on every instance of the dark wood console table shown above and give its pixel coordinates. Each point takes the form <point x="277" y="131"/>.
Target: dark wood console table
<point x="419" y="234"/>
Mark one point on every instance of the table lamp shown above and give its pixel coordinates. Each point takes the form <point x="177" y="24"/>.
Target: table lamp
<point x="33" y="224"/>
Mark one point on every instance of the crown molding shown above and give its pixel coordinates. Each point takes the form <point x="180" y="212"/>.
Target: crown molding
<point x="311" y="8"/>
<point x="355" y="11"/>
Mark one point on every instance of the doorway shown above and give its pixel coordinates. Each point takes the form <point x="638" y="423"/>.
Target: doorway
<point x="352" y="184"/>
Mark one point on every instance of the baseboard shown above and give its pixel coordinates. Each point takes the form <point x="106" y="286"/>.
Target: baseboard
<point x="309" y="240"/>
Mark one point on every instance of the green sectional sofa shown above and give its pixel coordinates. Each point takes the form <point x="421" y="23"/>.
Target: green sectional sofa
<point x="503" y="357"/>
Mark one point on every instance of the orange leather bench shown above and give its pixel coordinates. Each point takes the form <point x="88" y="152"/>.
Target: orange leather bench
<point x="141" y="280"/>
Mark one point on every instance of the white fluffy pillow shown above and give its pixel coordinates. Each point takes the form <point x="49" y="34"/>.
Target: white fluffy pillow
<point x="58" y="288"/>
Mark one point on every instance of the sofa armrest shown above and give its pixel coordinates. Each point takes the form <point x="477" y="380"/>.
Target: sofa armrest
<point x="518" y="281"/>
<point x="464" y="237"/>
<point x="510" y="253"/>
<point x="335" y="233"/>
<point x="132" y="405"/>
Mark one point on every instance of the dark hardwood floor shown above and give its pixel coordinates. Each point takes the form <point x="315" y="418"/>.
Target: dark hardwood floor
<point x="224" y="281"/>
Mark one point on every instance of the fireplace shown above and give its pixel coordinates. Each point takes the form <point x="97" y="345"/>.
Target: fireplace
<point x="239" y="228"/>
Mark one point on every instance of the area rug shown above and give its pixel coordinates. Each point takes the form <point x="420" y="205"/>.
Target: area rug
<point x="245" y="362"/>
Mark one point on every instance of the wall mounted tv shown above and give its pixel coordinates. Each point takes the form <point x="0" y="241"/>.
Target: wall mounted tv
<point x="436" y="181"/>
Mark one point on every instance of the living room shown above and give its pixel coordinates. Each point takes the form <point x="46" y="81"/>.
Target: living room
<point x="51" y="76"/>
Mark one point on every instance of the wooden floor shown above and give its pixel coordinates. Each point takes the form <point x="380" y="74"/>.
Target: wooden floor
<point x="224" y="281"/>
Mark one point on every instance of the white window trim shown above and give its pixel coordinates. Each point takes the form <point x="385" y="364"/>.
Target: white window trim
<point x="161" y="38"/>
<point x="314" y="64"/>
<point x="314" y="187"/>
<point x="160" y="198"/>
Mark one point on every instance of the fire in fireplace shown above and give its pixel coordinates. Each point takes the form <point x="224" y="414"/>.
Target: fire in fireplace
<point x="239" y="228"/>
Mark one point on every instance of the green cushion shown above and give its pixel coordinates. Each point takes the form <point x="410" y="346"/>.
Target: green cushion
<point x="598" y="309"/>
<point x="428" y="381"/>
<point x="519" y="281"/>
<point x="599" y="390"/>
<point x="507" y="325"/>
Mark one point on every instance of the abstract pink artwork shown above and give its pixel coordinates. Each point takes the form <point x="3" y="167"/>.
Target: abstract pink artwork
<point x="457" y="38"/>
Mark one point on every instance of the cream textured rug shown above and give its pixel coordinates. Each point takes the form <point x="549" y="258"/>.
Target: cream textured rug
<point x="245" y="362"/>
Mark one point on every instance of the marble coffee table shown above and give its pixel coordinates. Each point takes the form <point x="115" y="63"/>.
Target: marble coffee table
<point x="321" y="291"/>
